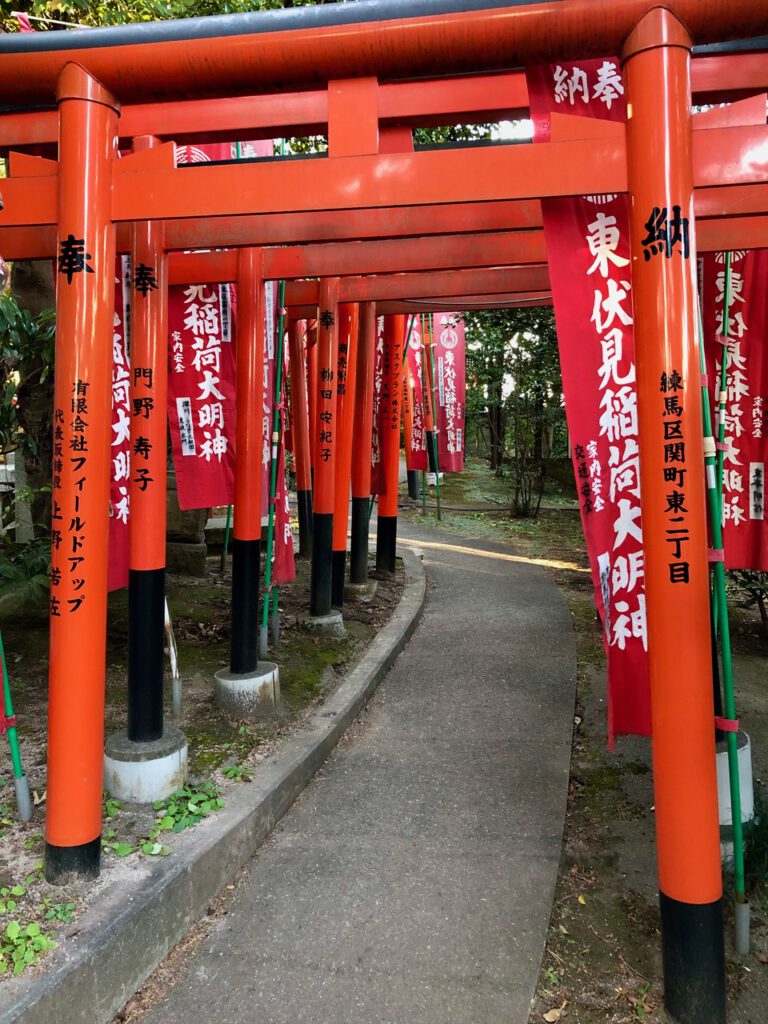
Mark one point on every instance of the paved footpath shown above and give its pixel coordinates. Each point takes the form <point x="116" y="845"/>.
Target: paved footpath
<point x="412" y="883"/>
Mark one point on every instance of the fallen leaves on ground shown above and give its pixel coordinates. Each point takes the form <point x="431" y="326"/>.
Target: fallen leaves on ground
<point x="555" y="1014"/>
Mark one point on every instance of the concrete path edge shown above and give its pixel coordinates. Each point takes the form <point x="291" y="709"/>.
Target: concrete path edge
<point x="124" y="936"/>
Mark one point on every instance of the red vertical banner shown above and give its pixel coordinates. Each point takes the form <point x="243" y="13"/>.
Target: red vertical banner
<point x="589" y="88"/>
<point x="201" y="394"/>
<point x="450" y="389"/>
<point x="268" y="394"/>
<point x="415" y="393"/>
<point x="379" y="376"/>
<point x="119" y="501"/>
<point x="284" y="567"/>
<point x="587" y="241"/>
<point x="745" y="527"/>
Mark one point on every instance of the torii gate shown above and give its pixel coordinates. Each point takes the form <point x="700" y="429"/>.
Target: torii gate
<point x="655" y="160"/>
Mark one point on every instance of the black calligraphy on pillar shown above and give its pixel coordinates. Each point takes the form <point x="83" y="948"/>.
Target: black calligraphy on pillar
<point x="73" y="259"/>
<point x="143" y="479"/>
<point x="341" y="384"/>
<point x="144" y="280"/>
<point x="677" y="533"/>
<point x="143" y="407"/>
<point x="142" y="447"/>
<point x="68" y="535"/>
<point x="326" y="415"/>
<point x="327" y="319"/>
<point x="394" y="408"/>
<point x="666" y="235"/>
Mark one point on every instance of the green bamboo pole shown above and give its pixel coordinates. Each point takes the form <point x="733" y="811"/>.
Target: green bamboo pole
<point x="714" y="462"/>
<point x="408" y="337"/>
<point x="269" y="596"/>
<point x="21" y="784"/>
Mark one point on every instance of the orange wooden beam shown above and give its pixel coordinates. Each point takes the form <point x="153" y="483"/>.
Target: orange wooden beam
<point x="389" y="256"/>
<point x="722" y="157"/>
<point x="727" y="217"/>
<point x="475" y="99"/>
<point x="279" y="50"/>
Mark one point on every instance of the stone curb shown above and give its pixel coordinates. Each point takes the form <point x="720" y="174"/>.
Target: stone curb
<point x="125" y="935"/>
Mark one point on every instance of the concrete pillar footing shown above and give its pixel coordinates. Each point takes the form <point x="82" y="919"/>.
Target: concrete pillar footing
<point x="141" y="772"/>
<point x="362" y="592"/>
<point x="250" y="695"/>
<point x="324" y="625"/>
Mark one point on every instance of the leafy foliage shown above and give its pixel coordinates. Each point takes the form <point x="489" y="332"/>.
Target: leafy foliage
<point x="22" y="945"/>
<point x="186" y="807"/>
<point x="20" y="334"/>
<point x="8" y="896"/>
<point x="63" y="912"/>
<point x="122" y="12"/>
<point x="513" y="381"/>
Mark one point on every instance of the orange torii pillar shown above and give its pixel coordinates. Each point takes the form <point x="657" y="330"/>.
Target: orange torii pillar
<point x="386" y="527"/>
<point x="326" y="434"/>
<point x="149" y="400"/>
<point x="148" y="760"/>
<point x="660" y="178"/>
<point x="349" y="320"/>
<point x="250" y="689"/>
<point x="300" y="433"/>
<point x="88" y="120"/>
<point x="361" y="447"/>
<point x="246" y="542"/>
<point x="311" y="346"/>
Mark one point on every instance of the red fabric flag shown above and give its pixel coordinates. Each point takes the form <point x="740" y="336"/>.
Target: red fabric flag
<point x="745" y="527"/>
<point x="414" y="383"/>
<point x="24" y="25"/>
<point x="268" y="393"/>
<point x="377" y="474"/>
<point x="450" y="389"/>
<point x="201" y="394"/>
<point x="217" y="151"/>
<point x="284" y="567"/>
<point x="589" y="88"/>
<point x="587" y="242"/>
<point x="119" y="501"/>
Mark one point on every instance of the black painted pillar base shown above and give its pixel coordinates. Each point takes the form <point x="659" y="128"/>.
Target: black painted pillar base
<point x="146" y="635"/>
<point x="304" y="501"/>
<point x="414" y="490"/>
<point x="386" y="543"/>
<point x="66" y="863"/>
<point x="694" y="960"/>
<point x="431" y="451"/>
<point x="244" y="644"/>
<point x="358" y="548"/>
<point x="322" y="564"/>
<point x="338" y="568"/>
